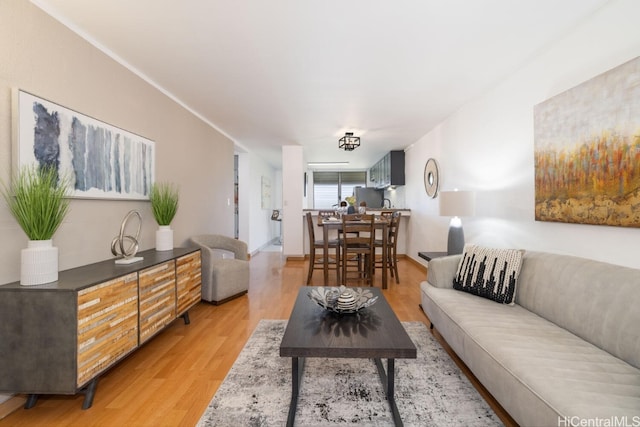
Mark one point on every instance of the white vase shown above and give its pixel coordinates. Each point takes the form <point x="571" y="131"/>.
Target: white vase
<point x="164" y="238"/>
<point x="39" y="263"/>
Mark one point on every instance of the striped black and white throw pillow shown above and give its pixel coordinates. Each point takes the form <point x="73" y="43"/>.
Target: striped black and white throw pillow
<point x="489" y="273"/>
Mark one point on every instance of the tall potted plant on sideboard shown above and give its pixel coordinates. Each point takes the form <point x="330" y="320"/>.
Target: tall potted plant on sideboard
<point x="164" y="199"/>
<point x="39" y="200"/>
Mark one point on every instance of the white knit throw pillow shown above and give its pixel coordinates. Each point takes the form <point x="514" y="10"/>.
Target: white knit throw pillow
<point x="489" y="273"/>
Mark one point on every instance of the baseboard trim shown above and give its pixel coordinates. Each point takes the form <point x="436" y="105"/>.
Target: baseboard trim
<point x="417" y="263"/>
<point x="11" y="405"/>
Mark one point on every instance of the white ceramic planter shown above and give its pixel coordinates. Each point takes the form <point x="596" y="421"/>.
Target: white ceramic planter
<point x="39" y="263"/>
<point x="164" y="238"/>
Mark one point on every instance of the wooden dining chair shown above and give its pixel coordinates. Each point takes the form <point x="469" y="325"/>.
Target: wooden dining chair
<point x="358" y="250"/>
<point x="317" y="262"/>
<point x="387" y="214"/>
<point x="392" y="245"/>
<point x="326" y="214"/>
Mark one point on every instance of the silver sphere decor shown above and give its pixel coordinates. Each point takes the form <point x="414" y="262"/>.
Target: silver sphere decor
<point x="118" y="248"/>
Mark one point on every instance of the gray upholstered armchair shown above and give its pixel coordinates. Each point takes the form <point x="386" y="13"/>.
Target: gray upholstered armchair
<point x="222" y="278"/>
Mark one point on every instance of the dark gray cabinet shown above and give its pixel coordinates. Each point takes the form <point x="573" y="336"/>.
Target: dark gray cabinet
<point x="388" y="171"/>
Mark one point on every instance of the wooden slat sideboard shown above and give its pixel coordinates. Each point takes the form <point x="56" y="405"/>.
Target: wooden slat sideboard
<point x="107" y="325"/>
<point x="59" y="337"/>
<point x="189" y="281"/>
<point x="157" y="293"/>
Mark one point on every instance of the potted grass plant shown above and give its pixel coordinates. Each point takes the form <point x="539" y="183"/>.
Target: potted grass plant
<point x="39" y="201"/>
<point x="164" y="199"/>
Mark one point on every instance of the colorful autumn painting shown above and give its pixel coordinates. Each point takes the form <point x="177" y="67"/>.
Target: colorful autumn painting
<point x="587" y="151"/>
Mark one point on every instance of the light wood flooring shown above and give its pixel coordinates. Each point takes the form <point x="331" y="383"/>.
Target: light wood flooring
<point x="172" y="378"/>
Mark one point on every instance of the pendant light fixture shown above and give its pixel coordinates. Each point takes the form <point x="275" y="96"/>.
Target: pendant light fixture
<point x="349" y="142"/>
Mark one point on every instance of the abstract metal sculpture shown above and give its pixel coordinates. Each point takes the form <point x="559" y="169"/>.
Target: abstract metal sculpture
<point x="118" y="242"/>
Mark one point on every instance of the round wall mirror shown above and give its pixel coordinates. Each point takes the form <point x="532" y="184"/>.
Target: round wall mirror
<point x="431" y="178"/>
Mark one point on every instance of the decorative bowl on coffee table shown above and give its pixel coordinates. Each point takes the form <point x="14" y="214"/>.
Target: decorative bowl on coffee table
<point x="341" y="299"/>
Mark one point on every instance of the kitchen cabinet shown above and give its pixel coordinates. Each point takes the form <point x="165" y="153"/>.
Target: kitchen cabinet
<point x="388" y="171"/>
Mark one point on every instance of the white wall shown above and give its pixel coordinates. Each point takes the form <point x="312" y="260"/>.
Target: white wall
<point x="276" y="227"/>
<point x="487" y="146"/>
<point x="244" y="196"/>
<point x="261" y="229"/>
<point x="292" y="200"/>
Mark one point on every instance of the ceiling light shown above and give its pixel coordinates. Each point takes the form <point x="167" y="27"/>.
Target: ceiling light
<point x="349" y="142"/>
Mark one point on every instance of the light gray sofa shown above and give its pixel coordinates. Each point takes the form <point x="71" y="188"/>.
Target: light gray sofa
<point x="567" y="352"/>
<point x="223" y="278"/>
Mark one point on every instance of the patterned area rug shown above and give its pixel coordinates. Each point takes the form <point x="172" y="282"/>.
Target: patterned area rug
<point x="430" y="390"/>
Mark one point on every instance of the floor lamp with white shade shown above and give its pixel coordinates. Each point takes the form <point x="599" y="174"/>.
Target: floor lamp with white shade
<point x="456" y="204"/>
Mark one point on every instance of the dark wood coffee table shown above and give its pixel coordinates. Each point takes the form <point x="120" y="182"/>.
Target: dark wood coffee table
<point x="373" y="333"/>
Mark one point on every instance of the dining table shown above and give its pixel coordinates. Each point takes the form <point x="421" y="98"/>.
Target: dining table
<point x="335" y="223"/>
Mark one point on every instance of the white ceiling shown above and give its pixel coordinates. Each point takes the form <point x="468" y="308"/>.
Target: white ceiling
<point x="288" y="72"/>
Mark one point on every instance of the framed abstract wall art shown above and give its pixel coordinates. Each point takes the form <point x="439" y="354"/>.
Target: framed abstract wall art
<point x="587" y="151"/>
<point x="101" y="160"/>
